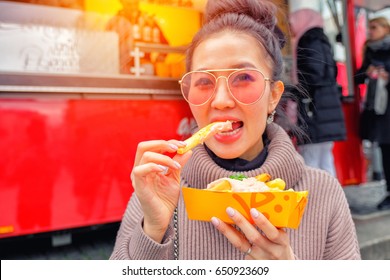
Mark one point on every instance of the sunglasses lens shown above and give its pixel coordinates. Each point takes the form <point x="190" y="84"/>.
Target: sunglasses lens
<point x="198" y="87"/>
<point x="247" y="86"/>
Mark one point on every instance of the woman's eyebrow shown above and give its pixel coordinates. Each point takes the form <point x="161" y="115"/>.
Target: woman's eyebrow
<point x="235" y="66"/>
<point x="244" y="65"/>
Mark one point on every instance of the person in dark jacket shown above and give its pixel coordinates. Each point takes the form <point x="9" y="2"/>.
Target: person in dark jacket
<point x="314" y="73"/>
<point x="376" y="63"/>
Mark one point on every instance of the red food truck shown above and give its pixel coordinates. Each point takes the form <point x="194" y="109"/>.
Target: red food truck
<point x="72" y="110"/>
<point x="71" y="118"/>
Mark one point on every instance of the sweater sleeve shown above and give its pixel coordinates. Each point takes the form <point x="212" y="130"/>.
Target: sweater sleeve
<point x="131" y="241"/>
<point x="342" y="240"/>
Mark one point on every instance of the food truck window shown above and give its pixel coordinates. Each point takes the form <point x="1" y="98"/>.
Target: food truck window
<point x="109" y="37"/>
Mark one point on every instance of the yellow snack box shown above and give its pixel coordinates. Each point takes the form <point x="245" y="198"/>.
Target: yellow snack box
<point x="282" y="208"/>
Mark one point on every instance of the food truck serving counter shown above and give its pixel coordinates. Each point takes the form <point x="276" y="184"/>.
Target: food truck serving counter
<point x="70" y="120"/>
<point x="67" y="151"/>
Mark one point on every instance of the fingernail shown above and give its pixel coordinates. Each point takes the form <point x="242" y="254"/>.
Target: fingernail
<point x="254" y="213"/>
<point x="163" y="168"/>
<point x="215" y="221"/>
<point x="230" y="211"/>
<point x="173" y="147"/>
<point x="182" y="143"/>
<point x="177" y="164"/>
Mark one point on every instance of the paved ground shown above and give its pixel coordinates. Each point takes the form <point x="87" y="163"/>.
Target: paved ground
<point x="372" y="226"/>
<point x="364" y="198"/>
<point x="373" y="231"/>
<point x="95" y="245"/>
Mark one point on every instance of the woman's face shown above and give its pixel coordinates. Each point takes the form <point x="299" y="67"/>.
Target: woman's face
<point x="224" y="51"/>
<point x="377" y="31"/>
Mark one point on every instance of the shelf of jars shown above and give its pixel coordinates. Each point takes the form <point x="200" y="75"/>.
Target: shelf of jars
<point x="158" y="60"/>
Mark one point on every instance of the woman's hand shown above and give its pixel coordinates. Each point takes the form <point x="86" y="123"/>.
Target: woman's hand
<point x="372" y="71"/>
<point x="376" y="72"/>
<point x="266" y="242"/>
<point x="156" y="181"/>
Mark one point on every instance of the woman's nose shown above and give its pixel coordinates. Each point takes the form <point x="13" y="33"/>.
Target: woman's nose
<point x="222" y="97"/>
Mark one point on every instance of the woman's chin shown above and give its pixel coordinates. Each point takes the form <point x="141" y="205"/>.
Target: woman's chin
<point x="227" y="152"/>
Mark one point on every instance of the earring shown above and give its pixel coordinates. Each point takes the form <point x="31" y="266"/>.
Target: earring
<point x="270" y="118"/>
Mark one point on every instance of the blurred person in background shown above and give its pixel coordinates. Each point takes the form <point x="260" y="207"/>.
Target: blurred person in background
<point x="376" y="63"/>
<point x="124" y="23"/>
<point x="134" y="25"/>
<point x="314" y="72"/>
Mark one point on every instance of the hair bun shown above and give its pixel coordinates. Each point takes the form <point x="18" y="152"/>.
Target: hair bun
<point x="263" y="12"/>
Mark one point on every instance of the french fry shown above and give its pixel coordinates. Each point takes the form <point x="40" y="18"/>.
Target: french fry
<point x="263" y="177"/>
<point x="276" y="184"/>
<point x="222" y="186"/>
<point x="204" y="133"/>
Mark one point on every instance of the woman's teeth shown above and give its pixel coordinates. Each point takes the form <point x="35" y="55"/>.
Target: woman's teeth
<point x="229" y="133"/>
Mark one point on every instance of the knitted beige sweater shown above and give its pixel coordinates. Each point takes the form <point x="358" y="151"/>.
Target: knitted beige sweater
<point x="326" y="231"/>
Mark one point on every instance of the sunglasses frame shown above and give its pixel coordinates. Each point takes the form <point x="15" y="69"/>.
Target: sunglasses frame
<point x="233" y="71"/>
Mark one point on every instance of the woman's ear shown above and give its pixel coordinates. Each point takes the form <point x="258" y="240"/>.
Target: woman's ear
<point x="277" y="90"/>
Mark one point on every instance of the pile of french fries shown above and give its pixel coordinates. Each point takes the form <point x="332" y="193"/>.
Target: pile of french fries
<point x="275" y="185"/>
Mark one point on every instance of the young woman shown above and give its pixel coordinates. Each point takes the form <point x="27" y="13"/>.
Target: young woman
<point x="374" y="127"/>
<point x="239" y="44"/>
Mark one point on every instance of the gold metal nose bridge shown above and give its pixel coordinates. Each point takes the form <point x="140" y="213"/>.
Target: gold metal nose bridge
<point x="227" y="89"/>
<point x="226" y="78"/>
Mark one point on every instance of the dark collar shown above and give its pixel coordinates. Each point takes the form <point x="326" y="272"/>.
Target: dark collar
<point x="238" y="164"/>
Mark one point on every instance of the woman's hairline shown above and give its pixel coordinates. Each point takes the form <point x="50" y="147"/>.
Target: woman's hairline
<point x="228" y="29"/>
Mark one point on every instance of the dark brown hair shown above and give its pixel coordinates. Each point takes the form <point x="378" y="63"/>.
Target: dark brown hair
<point x="255" y="18"/>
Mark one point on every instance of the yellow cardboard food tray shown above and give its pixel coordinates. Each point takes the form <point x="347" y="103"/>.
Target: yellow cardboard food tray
<point x="283" y="209"/>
